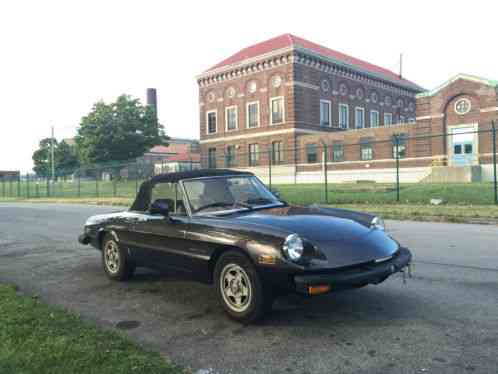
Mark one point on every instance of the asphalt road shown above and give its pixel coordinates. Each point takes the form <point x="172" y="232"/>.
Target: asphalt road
<point x="444" y="320"/>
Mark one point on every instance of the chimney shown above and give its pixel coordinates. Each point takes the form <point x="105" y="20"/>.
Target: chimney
<point x="152" y="99"/>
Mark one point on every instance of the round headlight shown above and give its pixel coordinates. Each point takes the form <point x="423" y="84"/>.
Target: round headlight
<point x="378" y="223"/>
<point x="293" y="247"/>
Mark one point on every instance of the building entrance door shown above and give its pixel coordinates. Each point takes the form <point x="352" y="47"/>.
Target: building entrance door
<point x="463" y="146"/>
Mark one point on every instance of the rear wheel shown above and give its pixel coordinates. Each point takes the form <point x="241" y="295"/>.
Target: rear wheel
<point x="116" y="264"/>
<point x="240" y="289"/>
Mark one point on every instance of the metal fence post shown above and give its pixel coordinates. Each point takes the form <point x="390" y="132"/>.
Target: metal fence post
<point x="19" y="185"/>
<point x="136" y="177"/>
<point x="27" y="185"/>
<point x="270" y="155"/>
<point x="396" y="140"/>
<point x="494" y="162"/>
<point x="79" y="182"/>
<point x="325" y="171"/>
<point x="96" y="182"/>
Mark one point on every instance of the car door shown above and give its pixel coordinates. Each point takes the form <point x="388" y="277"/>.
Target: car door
<point x="161" y="239"/>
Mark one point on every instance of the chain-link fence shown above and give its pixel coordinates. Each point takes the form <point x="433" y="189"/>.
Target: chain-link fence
<point x="458" y="167"/>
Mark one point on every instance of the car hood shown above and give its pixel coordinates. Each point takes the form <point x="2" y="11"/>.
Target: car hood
<point x="343" y="241"/>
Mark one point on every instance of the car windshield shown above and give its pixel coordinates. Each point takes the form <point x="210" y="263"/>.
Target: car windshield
<point x="219" y="194"/>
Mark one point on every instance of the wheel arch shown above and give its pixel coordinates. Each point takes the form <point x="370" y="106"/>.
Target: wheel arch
<point x="101" y="235"/>
<point x="218" y="252"/>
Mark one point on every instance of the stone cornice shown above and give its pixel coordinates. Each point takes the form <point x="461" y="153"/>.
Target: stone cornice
<point x="472" y="78"/>
<point x="303" y="56"/>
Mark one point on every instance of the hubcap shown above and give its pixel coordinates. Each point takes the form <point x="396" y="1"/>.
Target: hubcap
<point x="235" y="287"/>
<point x="111" y="256"/>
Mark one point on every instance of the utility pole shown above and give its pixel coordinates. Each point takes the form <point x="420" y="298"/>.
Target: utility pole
<point x="52" y="153"/>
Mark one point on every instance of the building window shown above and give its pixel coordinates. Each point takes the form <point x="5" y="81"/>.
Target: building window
<point x="231" y="118"/>
<point x="337" y="152"/>
<point x="311" y="155"/>
<point x="277" y="155"/>
<point x="277" y="110"/>
<point x="325" y="113"/>
<point x="374" y="118"/>
<point x="212" y="158"/>
<point x="411" y="120"/>
<point x="359" y="118"/>
<point x="230" y="156"/>
<point x="388" y="119"/>
<point x="253" y="114"/>
<point x="343" y="116"/>
<point x="401" y="146"/>
<point x="212" y="127"/>
<point x="366" y="150"/>
<point x="253" y="154"/>
<point x="401" y="119"/>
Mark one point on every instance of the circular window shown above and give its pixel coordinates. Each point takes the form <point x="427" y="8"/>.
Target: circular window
<point x="374" y="97"/>
<point x="231" y="92"/>
<point x="388" y="101"/>
<point x="211" y="96"/>
<point x="359" y="93"/>
<point x="252" y="87"/>
<point x="411" y="106"/>
<point x="325" y="85"/>
<point x="276" y="81"/>
<point x="343" y="89"/>
<point x="462" y="106"/>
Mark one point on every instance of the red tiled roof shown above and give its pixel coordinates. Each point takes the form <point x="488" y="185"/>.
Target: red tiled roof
<point x="194" y="157"/>
<point x="171" y="148"/>
<point x="288" y="40"/>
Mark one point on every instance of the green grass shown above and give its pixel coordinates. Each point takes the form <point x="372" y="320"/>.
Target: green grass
<point x="37" y="338"/>
<point x="463" y="201"/>
<point x="351" y="193"/>
<point x="375" y="193"/>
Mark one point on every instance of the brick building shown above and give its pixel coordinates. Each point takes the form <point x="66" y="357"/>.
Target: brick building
<point x="299" y="103"/>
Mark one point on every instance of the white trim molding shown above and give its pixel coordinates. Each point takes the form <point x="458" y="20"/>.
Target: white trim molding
<point x="272" y="99"/>
<point x="236" y="118"/>
<point x="329" y="103"/>
<point x="215" y="111"/>
<point x="467" y="77"/>
<point x="247" y="114"/>
<point x="436" y="116"/>
<point x="489" y="109"/>
<point x="302" y="84"/>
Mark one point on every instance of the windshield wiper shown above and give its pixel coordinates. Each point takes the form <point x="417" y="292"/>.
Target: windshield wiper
<point x="260" y="200"/>
<point x="213" y="205"/>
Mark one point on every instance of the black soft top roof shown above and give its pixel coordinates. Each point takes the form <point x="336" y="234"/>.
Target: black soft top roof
<point x="142" y="199"/>
<point x="175" y="177"/>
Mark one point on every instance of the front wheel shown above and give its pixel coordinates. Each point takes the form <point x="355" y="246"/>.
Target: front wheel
<point x="240" y="289"/>
<point x="116" y="264"/>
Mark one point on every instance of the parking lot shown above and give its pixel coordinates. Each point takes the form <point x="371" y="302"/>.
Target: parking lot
<point x="443" y="320"/>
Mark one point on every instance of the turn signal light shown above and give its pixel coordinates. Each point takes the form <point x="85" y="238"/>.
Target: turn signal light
<point x="316" y="290"/>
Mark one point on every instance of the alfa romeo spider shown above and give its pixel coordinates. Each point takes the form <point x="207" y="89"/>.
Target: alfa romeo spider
<point x="226" y="228"/>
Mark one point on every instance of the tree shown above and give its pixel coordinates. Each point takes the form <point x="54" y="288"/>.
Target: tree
<point x="41" y="158"/>
<point x="65" y="158"/>
<point x="118" y="131"/>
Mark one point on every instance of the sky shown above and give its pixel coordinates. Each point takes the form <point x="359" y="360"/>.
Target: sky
<point x="57" y="58"/>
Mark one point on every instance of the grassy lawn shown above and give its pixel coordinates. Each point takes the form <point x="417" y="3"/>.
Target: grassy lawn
<point x="465" y="202"/>
<point x="343" y="193"/>
<point x="36" y="338"/>
<point x="376" y="193"/>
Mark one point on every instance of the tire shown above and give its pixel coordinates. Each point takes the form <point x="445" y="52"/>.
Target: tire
<point x="116" y="264"/>
<point x="240" y="289"/>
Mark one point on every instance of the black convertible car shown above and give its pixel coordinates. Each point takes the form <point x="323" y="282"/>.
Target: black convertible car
<point x="225" y="227"/>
